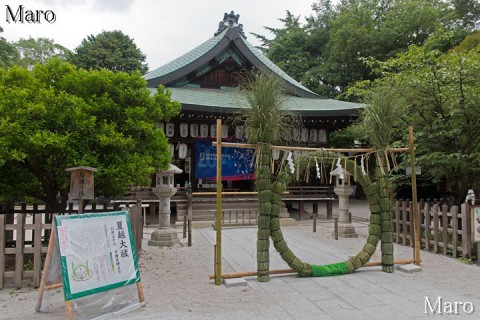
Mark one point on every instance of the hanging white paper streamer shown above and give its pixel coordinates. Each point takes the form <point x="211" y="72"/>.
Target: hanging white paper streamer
<point x="362" y="163"/>
<point x="318" y="169"/>
<point x="290" y="162"/>
<point x="339" y="169"/>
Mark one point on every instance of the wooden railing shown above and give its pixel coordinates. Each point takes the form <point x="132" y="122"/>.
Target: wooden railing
<point x="24" y="236"/>
<point x="238" y="217"/>
<point x="312" y="194"/>
<point x="443" y="229"/>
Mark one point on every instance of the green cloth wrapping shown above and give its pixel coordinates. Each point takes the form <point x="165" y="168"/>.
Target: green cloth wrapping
<point x="334" y="269"/>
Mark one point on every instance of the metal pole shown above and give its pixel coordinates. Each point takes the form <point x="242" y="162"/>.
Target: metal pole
<point x="218" y="217"/>
<point x="189" y="214"/>
<point x="416" y="220"/>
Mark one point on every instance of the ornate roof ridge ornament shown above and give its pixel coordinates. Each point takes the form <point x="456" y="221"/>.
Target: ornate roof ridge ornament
<point x="230" y="20"/>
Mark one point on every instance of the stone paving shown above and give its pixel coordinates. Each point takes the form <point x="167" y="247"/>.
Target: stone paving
<point x="365" y="294"/>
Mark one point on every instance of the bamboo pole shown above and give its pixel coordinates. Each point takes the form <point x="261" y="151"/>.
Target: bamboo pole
<point x="252" y="146"/>
<point x="416" y="220"/>
<point x="218" y="217"/>
<point x="283" y="271"/>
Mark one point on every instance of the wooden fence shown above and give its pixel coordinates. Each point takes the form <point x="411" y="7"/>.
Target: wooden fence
<point x="444" y="229"/>
<point x="24" y="237"/>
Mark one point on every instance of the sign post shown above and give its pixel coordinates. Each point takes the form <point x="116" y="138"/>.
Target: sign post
<point x="81" y="185"/>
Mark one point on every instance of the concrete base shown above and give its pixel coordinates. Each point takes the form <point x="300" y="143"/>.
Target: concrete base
<point x="409" y="268"/>
<point x="164" y="238"/>
<point x="236" y="282"/>
<point x="346" y="230"/>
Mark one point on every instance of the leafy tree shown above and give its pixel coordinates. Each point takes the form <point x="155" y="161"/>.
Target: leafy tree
<point x="442" y="93"/>
<point x="112" y="50"/>
<point x="8" y="53"/>
<point x="326" y="53"/>
<point x="39" y="51"/>
<point x="56" y="116"/>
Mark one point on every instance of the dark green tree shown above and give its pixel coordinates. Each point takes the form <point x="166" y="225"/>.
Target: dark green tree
<point x="56" y="116"/>
<point x="112" y="50"/>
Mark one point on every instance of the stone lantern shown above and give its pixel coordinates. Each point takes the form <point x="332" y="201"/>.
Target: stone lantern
<point x="343" y="190"/>
<point x="165" y="236"/>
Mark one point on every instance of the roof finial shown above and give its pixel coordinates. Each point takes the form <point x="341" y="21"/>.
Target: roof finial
<point x="230" y="20"/>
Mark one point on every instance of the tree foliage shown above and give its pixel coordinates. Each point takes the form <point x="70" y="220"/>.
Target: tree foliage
<point x="326" y="53"/>
<point x="39" y="51"/>
<point x="441" y="92"/>
<point x="8" y="53"/>
<point x="112" y="50"/>
<point x="56" y="116"/>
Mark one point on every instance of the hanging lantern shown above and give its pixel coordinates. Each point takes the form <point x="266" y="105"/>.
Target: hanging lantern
<point x="322" y="135"/>
<point x="313" y="135"/>
<point x="204" y="130"/>
<point x="247" y="133"/>
<point x="183" y="130"/>
<point x="170" y="130"/>
<point x="172" y="149"/>
<point x="288" y="134"/>
<point x="161" y="125"/>
<point x="296" y="134"/>
<point x="239" y="132"/>
<point x="224" y="131"/>
<point x="276" y="154"/>
<point x="182" y="150"/>
<point x="304" y="135"/>
<point x="213" y="130"/>
<point x="193" y="130"/>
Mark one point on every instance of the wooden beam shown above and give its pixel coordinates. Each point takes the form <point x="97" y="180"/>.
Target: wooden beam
<point x="253" y="146"/>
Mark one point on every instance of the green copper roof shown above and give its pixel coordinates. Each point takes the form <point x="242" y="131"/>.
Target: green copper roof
<point x="273" y="67"/>
<point x="187" y="58"/>
<point x="214" y="100"/>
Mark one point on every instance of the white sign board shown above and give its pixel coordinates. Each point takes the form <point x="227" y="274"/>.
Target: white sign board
<point x="97" y="253"/>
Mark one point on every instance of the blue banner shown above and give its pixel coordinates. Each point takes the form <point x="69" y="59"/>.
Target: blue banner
<point x="237" y="163"/>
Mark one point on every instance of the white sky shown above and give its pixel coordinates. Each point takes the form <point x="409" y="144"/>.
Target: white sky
<point x="162" y="29"/>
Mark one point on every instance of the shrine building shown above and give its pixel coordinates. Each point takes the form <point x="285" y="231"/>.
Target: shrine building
<point x="205" y="81"/>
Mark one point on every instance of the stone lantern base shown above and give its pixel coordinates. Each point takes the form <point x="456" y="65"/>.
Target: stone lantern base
<point x="164" y="238"/>
<point x="346" y="230"/>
